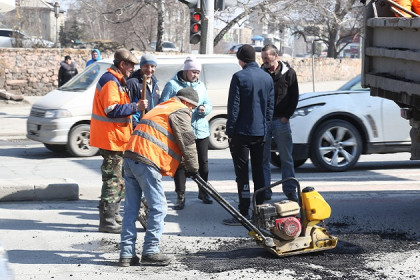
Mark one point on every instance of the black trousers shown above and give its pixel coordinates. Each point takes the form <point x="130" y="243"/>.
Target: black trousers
<point x="241" y="147"/>
<point x="203" y="165"/>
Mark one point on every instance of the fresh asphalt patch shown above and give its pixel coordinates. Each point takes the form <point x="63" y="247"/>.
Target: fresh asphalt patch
<point x="350" y="259"/>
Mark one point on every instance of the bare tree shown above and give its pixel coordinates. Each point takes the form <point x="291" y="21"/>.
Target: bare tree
<point x="246" y="7"/>
<point x="335" y="22"/>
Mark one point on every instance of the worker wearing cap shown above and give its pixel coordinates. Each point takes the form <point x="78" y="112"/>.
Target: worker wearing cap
<point x="110" y="130"/>
<point x="162" y="139"/>
<point x="148" y="64"/>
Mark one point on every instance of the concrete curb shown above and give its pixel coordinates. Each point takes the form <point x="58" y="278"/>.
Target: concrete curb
<point x="22" y="190"/>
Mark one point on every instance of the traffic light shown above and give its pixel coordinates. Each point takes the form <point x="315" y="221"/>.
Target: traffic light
<point x="195" y="26"/>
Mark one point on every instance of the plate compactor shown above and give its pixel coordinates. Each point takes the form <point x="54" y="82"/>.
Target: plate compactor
<point x="286" y="227"/>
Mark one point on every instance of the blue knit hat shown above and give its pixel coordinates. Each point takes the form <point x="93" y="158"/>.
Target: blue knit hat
<point x="148" y="58"/>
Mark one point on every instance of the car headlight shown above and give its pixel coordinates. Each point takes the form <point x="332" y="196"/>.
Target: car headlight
<point x="303" y="111"/>
<point x="54" y="114"/>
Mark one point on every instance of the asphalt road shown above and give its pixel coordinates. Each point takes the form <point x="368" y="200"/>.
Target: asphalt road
<point x="374" y="214"/>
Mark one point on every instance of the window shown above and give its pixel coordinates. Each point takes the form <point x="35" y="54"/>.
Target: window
<point x="218" y="76"/>
<point x="164" y="73"/>
<point x="86" y="78"/>
<point x="5" y="33"/>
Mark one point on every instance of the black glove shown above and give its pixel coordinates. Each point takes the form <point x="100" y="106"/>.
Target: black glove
<point x="191" y="174"/>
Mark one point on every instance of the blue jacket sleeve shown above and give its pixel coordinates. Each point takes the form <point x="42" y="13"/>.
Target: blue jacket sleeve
<point x="169" y="91"/>
<point x="233" y="106"/>
<point x="123" y="110"/>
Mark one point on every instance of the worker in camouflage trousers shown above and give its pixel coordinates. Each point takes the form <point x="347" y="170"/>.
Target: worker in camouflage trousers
<point x="110" y="129"/>
<point x="112" y="176"/>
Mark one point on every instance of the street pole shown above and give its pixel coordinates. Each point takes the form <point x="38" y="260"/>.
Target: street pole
<point x="313" y="66"/>
<point x="207" y="32"/>
<point x="57" y="14"/>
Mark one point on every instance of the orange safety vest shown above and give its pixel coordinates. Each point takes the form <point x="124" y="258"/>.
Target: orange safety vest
<point x="109" y="133"/>
<point x="153" y="138"/>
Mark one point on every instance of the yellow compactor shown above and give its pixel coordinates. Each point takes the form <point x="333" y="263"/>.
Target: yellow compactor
<point x="285" y="227"/>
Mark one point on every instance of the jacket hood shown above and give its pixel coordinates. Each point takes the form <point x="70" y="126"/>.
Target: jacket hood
<point x="181" y="81"/>
<point x="98" y="52"/>
<point x="284" y="67"/>
<point x="66" y="66"/>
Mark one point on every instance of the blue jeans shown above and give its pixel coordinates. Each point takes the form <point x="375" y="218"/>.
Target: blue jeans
<point x="282" y="134"/>
<point x="142" y="178"/>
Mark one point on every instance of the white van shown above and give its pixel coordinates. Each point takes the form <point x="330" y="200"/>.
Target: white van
<point x="61" y="119"/>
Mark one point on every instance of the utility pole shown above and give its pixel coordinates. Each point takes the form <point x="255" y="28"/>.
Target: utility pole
<point x="202" y="30"/>
<point x="57" y="14"/>
<point x="206" y="46"/>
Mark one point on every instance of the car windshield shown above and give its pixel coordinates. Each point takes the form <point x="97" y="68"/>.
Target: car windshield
<point x="86" y="78"/>
<point x="353" y="84"/>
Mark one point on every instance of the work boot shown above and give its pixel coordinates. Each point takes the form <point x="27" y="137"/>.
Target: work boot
<point x="118" y="217"/>
<point x="180" y="202"/>
<point x="157" y="259"/>
<point x="205" y="197"/>
<point x="107" y="221"/>
<point x="126" y="262"/>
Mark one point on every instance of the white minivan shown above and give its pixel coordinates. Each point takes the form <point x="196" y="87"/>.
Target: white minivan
<point x="61" y="119"/>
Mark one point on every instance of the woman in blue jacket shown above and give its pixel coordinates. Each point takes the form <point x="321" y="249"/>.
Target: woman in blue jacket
<point x="189" y="78"/>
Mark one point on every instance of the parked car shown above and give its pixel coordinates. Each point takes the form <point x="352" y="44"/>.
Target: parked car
<point x="234" y="49"/>
<point x="10" y="38"/>
<point x="334" y="128"/>
<point x="61" y="119"/>
<point x="166" y="47"/>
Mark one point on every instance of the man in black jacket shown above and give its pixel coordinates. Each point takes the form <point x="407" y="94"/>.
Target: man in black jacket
<point x="67" y="71"/>
<point x="286" y="97"/>
<point x="250" y="109"/>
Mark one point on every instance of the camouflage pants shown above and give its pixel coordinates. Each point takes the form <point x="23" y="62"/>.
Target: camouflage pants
<point x="113" y="190"/>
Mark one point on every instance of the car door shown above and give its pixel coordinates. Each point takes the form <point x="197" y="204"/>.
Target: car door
<point x="395" y="128"/>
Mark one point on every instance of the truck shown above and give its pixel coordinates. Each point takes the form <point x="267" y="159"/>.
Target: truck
<point x="391" y="61"/>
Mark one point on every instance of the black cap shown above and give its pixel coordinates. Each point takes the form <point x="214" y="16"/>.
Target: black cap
<point x="246" y="53"/>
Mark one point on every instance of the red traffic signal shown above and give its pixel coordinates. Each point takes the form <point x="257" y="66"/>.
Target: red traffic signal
<point x="196" y="16"/>
<point x="195" y="26"/>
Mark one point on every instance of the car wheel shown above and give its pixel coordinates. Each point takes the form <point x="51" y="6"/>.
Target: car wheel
<point x="79" y="142"/>
<point x="336" y="146"/>
<point x="218" y="139"/>
<point x="275" y="160"/>
<point x="56" y="148"/>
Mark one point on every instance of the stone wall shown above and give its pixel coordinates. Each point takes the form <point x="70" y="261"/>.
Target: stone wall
<point x="35" y="71"/>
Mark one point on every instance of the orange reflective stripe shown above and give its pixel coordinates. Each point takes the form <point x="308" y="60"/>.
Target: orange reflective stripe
<point x="154" y="138"/>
